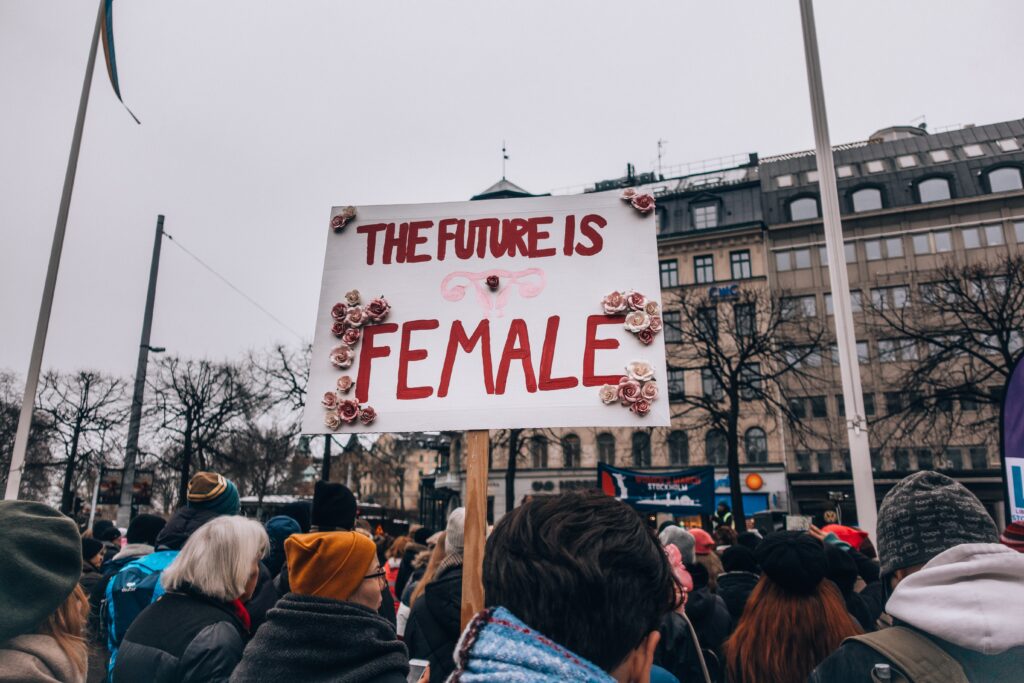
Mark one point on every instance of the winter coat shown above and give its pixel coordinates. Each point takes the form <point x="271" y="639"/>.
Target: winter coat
<point x="90" y="577"/>
<point x="676" y="651"/>
<point x="387" y="608"/>
<point x="181" y="526"/>
<point x="99" y="655"/>
<point x="183" y="638"/>
<point x="312" y="639"/>
<point x="499" y="648"/>
<point x="406" y="570"/>
<point x="710" y="618"/>
<point x="968" y="600"/>
<point x="263" y="598"/>
<point x="734" y="588"/>
<point x="435" y="623"/>
<point x="36" y="658"/>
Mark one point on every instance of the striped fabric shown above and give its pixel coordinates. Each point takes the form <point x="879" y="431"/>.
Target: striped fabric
<point x="107" y="37"/>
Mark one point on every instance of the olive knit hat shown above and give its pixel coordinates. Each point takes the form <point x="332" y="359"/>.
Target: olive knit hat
<point x="40" y="564"/>
<point x="212" y="491"/>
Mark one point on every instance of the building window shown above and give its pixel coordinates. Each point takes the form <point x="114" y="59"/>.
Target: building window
<point x="819" y="406"/>
<point x="1008" y="145"/>
<point x="606" y="448"/>
<point x="746" y="319"/>
<point x="972" y="151"/>
<point x="704" y="269"/>
<point x="925" y="460"/>
<point x="901" y="457"/>
<point x="851" y="252"/>
<point x="984" y="236"/>
<point x="939" y="155"/>
<point x="979" y="457"/>
<point x="669" y="273"/>
<point x="676" y="384"/>
<point x="933" y="190"/>
<point x="661" y="223"/>
<point x="803" y="461"/>
<point x="571" y="451"/>
<point x="539" y="452"/>
<point x="803" y="209"/>
<point x="863" y="354"/>
<point x="798" y="408"/>
<point x="641" y="449"/>
<point x="793" y="259"/>
<point x="829" y="310"/>
<point x="785" y="180"/>
<point x="895" y="350"/>
<point x="811" y="176"/>
<point x="739" y="262"/>
<point x="797" y="307"/>
<point x="707" y="323"/>
<point x="716" y="449"/>
<point x="844" y="171"/>
<point x="866" y="199"/>
<point x="678" y="448"/>
<point x="875" y="166"/>
<point x="673" y="329"/>
<point x="824" y="459"/>
<point x="933" y="242"/>
<point x="711" y="388"/>
<point x="877" y="461"/>
<point x="750" y="381"/>
<point x="953" y="459"/>
<point x="705" y="215"/>
<point x="893" y="402"/>
<point x="890" y="298"/>
<point x="906" y="161"/>
<point x="890" y="247"/>
<point x="1004" y="179"/>
<point x="755" y="442"/>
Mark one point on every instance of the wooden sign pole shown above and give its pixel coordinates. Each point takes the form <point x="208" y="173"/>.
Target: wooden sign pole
<point x="477" y="442"/>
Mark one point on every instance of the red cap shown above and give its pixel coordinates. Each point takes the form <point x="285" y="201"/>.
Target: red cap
<point x="704" y="544"/>
<point x="847" y="534"/>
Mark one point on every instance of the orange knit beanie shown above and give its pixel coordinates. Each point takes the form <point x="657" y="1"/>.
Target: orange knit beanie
<point x="328" y="564"/>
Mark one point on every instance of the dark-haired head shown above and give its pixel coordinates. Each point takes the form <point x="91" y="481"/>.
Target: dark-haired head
<point x="583" y="569"/>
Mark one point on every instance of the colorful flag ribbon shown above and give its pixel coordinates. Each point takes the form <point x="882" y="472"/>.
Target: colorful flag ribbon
<point x="107" y="36"/>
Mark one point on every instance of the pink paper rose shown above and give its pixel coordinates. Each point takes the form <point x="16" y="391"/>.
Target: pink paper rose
<point x="649" y="391"/>
<point x="339" y="311"/>
<point x="332" y="421"/>
<point x="367" y="415"/>
<point x="352" y="298"/>
<point x="628" y="391"/>
<point x="609" y="394"/>
<point x="628" y="194"/>
<point x="637" y="321"/>
<point x="613" y="303"/>
<point x="330" y="400"/>
<point x="652" y="308"/>
<point x="351" y="336"/>
<point x="640" y="370"/>
<point x="656" y="324"/>
<point x="644" y="203"/>
<point x="377" y="309"/>
<point x="645" y="336"/>
<point x="640" y="407"/>
<point x="356" y="316"/>
<point x="338" y="328"/>
<point x="342" y="357"/>
<point x="345" y="384"/>
<point x="339" y="221"/>
<point x="636" y="301"/>
<point x="348" y="410"/>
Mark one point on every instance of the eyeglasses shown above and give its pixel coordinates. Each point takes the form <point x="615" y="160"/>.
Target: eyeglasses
<point x="376" y="575"/>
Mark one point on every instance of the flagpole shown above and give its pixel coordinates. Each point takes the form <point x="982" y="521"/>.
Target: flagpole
<point x="35" y="362"/>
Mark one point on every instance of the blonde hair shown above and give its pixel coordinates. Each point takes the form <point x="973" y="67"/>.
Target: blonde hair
<point x="435" y="559"/>
<point x="217" y="559"/>
<point x="67" y="626"/>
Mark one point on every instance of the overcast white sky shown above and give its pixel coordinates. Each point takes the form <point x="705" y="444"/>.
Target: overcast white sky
<point x="258" y="116"/>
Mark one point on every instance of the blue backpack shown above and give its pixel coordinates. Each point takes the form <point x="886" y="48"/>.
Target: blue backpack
<point x="129" y="592"/>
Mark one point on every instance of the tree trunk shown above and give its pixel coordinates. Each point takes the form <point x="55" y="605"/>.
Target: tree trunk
<point x="735" y="487"/>
<point x="67" y="495"/>
<point x="186" y="464"/>
<point x="510" y="469"/>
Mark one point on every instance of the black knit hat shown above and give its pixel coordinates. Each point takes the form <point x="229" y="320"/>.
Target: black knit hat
<point x="842" y="570"/>
<point x="334" y="507"/>
<point x="91" y="548"/>
<point x="926" y="514"/>
<point x="793" y="560"/>
<point x="738" y="558"/>
<point x="40" y="564"/>
<point x="104" y="530"/>
<point x="145" y="529"/>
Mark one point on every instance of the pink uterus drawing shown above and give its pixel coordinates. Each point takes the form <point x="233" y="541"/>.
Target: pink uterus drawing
<point x="529" y="283"/>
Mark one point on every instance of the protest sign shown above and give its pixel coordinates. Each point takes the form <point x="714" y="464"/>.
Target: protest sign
<point x="683" y="492"/>
<point x="490" y="314"/>
<point x="1012" y="433"/>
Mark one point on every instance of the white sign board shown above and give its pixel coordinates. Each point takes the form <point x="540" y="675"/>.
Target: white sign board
<point x="497" y="317"/>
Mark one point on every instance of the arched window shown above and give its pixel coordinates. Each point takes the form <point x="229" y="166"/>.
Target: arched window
<point x="866" y="199"/>
<point x="678" y="449"/>
<point x="539" y="452"/>
<point x="606" y="448"/>
<point x="804" y="208"/>
<point x="1005" y="179"/>
<point x="570" y="451"/>
<point x="756" y="444"/>
<point x="716" y="449"/>
<point x="933" y="190"/>
<point x="641" y="449"/>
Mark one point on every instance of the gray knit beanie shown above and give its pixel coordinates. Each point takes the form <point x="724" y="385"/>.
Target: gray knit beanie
<point x="681" y="539"/>
<point x="926" y="514"/>
<point x="455" y="531"/>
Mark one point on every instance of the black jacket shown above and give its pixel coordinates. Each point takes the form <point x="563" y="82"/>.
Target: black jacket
<point x="263" y="598"/>
<point x="181" y="638"/>
<point x="181" y="525"/>
<point x="734" y="588"/>
<point x="311" y="639"/>
<point x="677" y="653"/>
<point x="710" y="618"/>
<point x="434" y="623"/>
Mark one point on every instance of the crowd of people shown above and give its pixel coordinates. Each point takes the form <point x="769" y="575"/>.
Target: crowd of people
<point x="577" y="588"/>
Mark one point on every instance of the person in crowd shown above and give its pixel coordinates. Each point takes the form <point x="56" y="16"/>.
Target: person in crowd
<point x="677" y="650"/>
<point x="726" y="537"/>
<point x="418" y="545"/>
<point x="92" y="558"/>
<point x="708" y="613"/>
<point x="327" y="628"/>
<point x="956" y="593"/>
<point x="197" y="630"/>
<point x="435" y="619"/>
<point x="723" y="516"/>
<point x="138" y="584"/>
<point x="738" y="580"/>
<point x="793" y="620"/>
<point x="141" y="536"/>
<point x="1013" y="536"/>
<point x="44" y="609"/>
<point x="301" y="511"/>
<point x="103" y="530"/>
<point x="278" y="529"/>
<point x="704" y="547"/>
<point x="415" y="589"/>
<point x="749" y="539"/>
<point x="842" y="571"/>
<point x="392" y="563"/>
<point x="576" y="586"/>
<point x="682" y="539"/>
